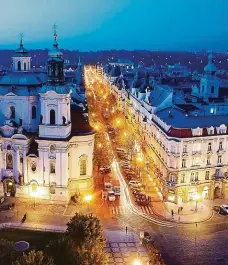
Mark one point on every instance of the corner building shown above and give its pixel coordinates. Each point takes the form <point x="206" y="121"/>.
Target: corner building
<point x="185" y="134"/>
<point x="46" y="141"/>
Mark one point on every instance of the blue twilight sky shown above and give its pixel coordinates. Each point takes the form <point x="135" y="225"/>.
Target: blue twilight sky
<point x="119" y="24"/>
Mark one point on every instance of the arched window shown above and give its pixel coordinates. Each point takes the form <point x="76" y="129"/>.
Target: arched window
<point x="52" y="117"/>
<point x="9" y="161"/>
<point x="12" y="112"/>
<point x="83" y="165"/>
<point x="24" y="66"/>
<point x="19" y="65"/>
<point x="33" y="112"/>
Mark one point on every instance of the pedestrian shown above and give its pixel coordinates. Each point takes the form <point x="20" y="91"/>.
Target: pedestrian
<point x="172" y="212"/>
<point x="179" y="219"/>
<point x="126" y="229"/>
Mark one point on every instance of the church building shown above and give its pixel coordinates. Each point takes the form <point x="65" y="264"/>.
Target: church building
<point x="46" y="142"/>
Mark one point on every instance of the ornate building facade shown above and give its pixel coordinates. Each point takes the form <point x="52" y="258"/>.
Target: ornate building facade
<point x="185" y="134"/>
<point x="46" y="143"/>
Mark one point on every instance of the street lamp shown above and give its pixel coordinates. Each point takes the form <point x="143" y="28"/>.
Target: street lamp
<point x="88" y="199"/>
<point x="196" y="198"/>
<point x="34" y="195"/>
<point x="136" y="262"/>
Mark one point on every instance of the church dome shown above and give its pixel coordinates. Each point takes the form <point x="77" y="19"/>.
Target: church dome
<point x="23" y="79"/>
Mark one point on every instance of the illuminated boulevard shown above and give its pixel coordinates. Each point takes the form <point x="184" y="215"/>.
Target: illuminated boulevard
<point x="179" y="242"/>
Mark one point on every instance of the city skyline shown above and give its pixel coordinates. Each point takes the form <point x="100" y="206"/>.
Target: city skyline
<point x="101" y="25"/>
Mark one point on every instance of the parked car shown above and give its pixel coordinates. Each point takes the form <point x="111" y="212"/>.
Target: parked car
<point x="104" y="170"/>
<point x="224" y="208"/>
<point x="134" y="184"/>
<point x="6" y="206"/>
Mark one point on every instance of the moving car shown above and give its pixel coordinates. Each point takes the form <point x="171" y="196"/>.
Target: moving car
<point x="111" y="196"/>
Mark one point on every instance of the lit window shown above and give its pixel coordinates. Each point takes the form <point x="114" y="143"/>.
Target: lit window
<point x="83" y="166"/>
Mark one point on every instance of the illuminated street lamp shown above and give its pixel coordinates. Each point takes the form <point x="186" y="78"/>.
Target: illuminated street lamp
<point x="34" y="194"/>
<point x="88" y="198"/>
<point x="136" y="262"/>
<point x="196" y="198"/>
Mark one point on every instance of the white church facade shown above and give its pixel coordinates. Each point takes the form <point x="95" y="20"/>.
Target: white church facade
<point x="46" y="142"/>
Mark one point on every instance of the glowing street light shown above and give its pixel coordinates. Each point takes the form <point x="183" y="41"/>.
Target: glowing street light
<point x="99" y="145"/>
<point x="88" y="198"/>
<point x="96" y="127"/>
<point x="137" y="262"/>
<point x="196" y="197"/>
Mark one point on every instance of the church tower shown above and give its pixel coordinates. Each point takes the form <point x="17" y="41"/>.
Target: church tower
<point x="55" y="63"/>
<point x="55" y="120"/>
<point x="209" y="83"/>
<point x="21" y="60"/>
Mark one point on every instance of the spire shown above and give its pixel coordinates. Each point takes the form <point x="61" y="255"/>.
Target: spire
<point x="21" y="35"/>
<point x="55" y="43"/>
<point x="79" y="61"/>
<point x="21" y="51"/>
<point x="210" y="68"/>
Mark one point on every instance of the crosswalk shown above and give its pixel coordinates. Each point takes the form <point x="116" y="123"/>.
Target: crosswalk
<point x="122" y="210"/>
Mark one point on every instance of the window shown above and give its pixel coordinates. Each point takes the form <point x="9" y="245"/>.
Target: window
<point x="220" y="145"/>
<point x="171" y="178"/>
<point x="12" y="112"/>
<point x="52" y="168"/>
<point x="33" y="167"/>
<point x="207" y="175"/>
<point x="208" y="160"/>
<point x="24" y="66"/>
<point x="192" y="177"/>
<point x="9" y="161"/>
<point x="209" y="147"/>
<point x="185" y="149"/>
<point x="219" y="159"/>
<point x="182" y="178"/>
<point x="196" y="176"/>
<point x="19" y="66"/>
<point x="33" y="112"/>
<point x="183" y="162"/>
<point x="52" y="117"/>
<point x="212" y="89"/>
<point x="52" y="148"/>
<point x="83" y="165"/>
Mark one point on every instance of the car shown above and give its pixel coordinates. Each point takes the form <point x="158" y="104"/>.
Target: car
<point x="141" y="202"/>
<point x="6" y="206"/>
<point x="111" y="196"/>
<point x="134" y="184"/>
<point x="104" y="170"/>
<point x="224" y="208"/>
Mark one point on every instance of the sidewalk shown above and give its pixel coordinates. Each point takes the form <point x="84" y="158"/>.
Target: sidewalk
<point x="124" y="248"/>
<point x="189" y="214"/>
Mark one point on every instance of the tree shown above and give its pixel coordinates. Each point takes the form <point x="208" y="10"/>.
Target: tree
<point x="7" y="252"/>
<point x="82" y="243"/>
<point x="34" y="258"/>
